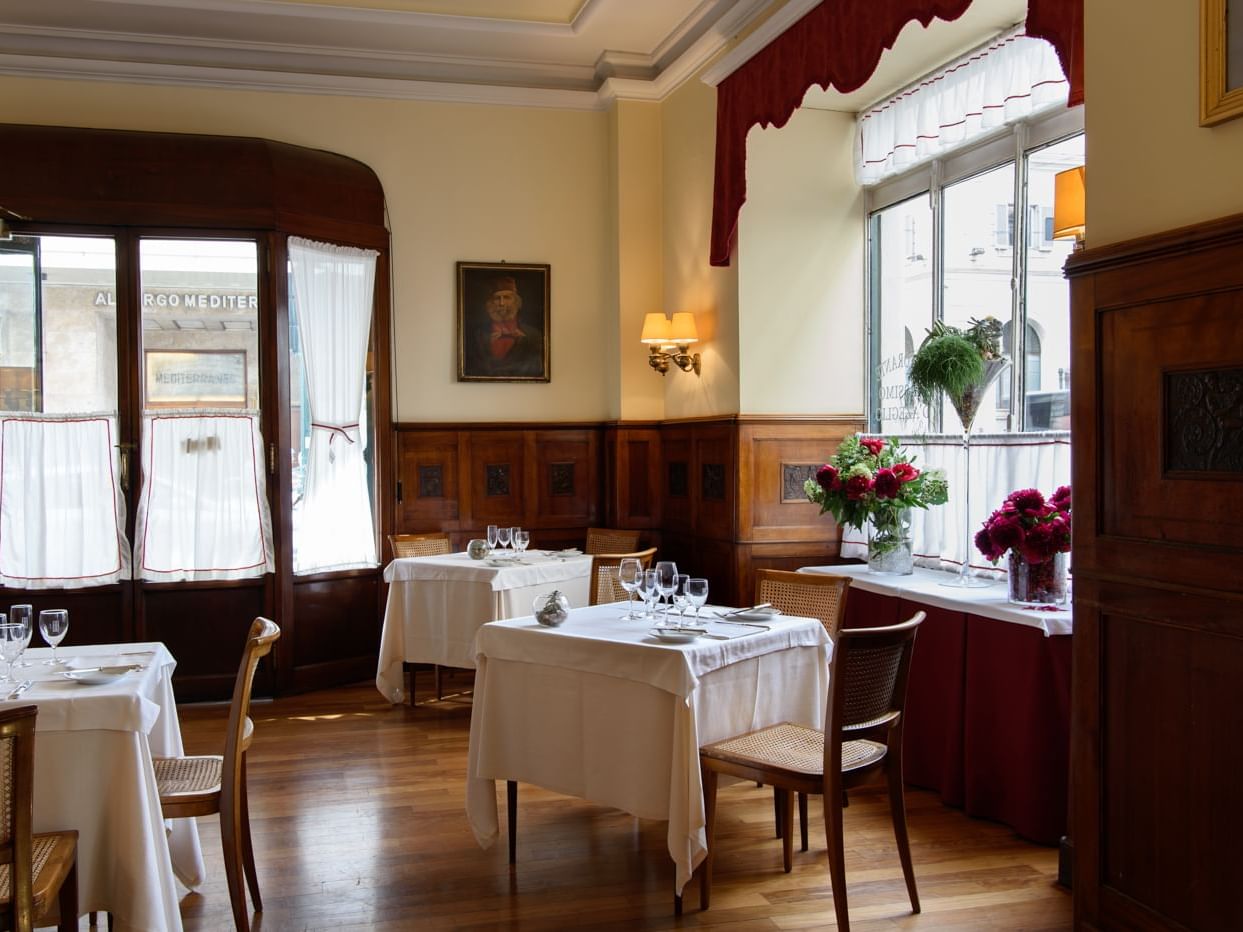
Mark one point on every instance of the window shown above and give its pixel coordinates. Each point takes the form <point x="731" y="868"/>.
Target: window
<point x="976" y="207"/>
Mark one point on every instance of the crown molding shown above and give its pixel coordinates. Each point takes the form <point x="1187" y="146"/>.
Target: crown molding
<point x="285" y="82"/>
<point x="747" y="49"/>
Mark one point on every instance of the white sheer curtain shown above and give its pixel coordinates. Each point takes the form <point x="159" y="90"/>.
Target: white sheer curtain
<point x="1012" y="77"/>
<point x="333" y="289"/>
<point x="203" y="512"/>
<point x="62" y="517"/>
<point x="1000" y="463"/>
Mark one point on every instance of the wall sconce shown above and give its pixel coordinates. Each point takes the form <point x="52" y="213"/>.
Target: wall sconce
<point x="667" y="340"/>
<point x="1069" y="211"/>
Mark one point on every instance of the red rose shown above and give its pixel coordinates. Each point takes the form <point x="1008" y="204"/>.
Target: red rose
<point x="887" y="483"/>
<point x="857" y="487"/>
<point x="873" y="445"/>
<point x="828" y="479"/>
<point x="905" y="472"/>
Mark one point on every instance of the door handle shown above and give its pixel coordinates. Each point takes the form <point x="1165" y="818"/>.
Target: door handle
<point x="123" y="453"/>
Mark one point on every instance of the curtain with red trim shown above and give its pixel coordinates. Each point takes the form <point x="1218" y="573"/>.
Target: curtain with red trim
<point x="838" y="45"/>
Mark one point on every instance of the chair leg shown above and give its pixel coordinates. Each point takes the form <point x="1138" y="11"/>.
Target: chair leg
<point x="777" y="798"/>
<point x="511" y="810"/>
<point x="68" y="901"/>
<point x="837" y="857"/>
<point x="787" y="830"/>
<point x="231" y="841"/>
<point x="248" y="851"/>
<point x="439" y="692"/>
<point x="802" y="819"/>
<point x="897" y="807"/>
<point x="705" y="876"/>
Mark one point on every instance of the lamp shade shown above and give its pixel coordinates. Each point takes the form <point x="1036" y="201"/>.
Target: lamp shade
<point x="682" y="329"/>
<point x="656" y="329"/>
<point x="1068" y="203"/>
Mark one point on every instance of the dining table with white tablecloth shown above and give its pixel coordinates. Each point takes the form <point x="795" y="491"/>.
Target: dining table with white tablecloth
<point x="437" y="603"/>
<point x="94" y="744"/>
<point x="601" y="709"/>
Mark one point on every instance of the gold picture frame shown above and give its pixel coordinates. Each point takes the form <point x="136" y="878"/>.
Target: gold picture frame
<point x="1221" y="61"/>
<point x="503" y="322"/>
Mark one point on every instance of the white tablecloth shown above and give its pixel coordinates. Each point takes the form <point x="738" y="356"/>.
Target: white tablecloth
<point x="93" y="773"/>
<point x="601" y="710"/>
<point x="436" y="604"/>
<point x="925" y="586"/>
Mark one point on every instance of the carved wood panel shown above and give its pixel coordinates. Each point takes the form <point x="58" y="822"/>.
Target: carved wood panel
<point x="428" y="470"/>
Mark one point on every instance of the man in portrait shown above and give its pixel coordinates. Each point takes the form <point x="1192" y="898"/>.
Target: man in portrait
<point x="499" y="340"/>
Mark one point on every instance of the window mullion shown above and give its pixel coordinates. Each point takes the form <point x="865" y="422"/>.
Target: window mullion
<point x="1018" y="284"/>
<point x="935" y="196"/>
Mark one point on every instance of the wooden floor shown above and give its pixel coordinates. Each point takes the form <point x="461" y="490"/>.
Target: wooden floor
<point x="359" y="823"/>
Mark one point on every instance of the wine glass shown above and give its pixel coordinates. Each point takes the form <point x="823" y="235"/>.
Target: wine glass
<point x="630" y="575"/>
<point x="23" y="615"/>
<point x="681" y="601"/>
<point x="697" y="592"/>
<point x="666" y="581"/>
<point x="522" y="539"/>
<point x="12" y="643"/>
<point x="53" y="625"/>
<point x="493" y="533"/>
<point x="649" y="593"/>
<point x="502" y="537"/>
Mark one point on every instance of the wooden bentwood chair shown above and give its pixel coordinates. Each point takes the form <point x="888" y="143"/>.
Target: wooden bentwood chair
<point x="863" y="735"/>
<point x="34" y="869"/>
<point x="195" y="786"/>
<point x="421" y="545"/>
<point x="605" y="586"/>
<point x="611" y="540"/>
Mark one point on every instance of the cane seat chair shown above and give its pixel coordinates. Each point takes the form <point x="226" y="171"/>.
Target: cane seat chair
<point x="195" y="786"/>
<point x="420" y="545"/>
<point x="611" y="540"/>
<point x="605" y="586"/>
<point x="36" y="871"/>
<point x="862" y="737"/>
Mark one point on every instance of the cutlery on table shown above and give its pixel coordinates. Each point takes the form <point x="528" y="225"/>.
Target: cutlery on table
<point x="114" y="668"/>
<point x="19" y="689"/>
<point x="747" y="611"/>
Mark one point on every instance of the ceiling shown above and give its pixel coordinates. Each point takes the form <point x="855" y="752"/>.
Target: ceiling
<point x="557" y="53"/>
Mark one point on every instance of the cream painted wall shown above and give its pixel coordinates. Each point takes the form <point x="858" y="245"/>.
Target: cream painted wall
<point x="635" y="137"/>
<point x="800" y="270"/>
<point x="1151" y="166"/>
<point x="462" y="182"/>
<point x="688" y="134"/>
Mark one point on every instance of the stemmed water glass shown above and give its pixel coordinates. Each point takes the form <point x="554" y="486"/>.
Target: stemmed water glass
<point x="23" y="615"/>
<point x="666" y="581"/>
<point x="649" y="593"/>
<point x="493" y="533"/>
<point x="503" y="536"/>
<point x="12" y="643"/>
<point x="681" y="601"/>
<point x="53" y="625"/>
<point x="521" y="539"/>
<point x="697" y="592"/>
<point x="630" y="575"/>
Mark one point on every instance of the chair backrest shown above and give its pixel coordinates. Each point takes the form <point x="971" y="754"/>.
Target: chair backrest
<point x="812" y="595"/>
<point x="611" y="540"/>
<point x="17" y="774"/>
<point x="419" y="545"/>
<point x="605" y="586"/>
<point x="867" y="686"/>
<point x="263" y="634"/>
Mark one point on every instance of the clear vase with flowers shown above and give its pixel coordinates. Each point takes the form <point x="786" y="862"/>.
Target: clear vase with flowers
<point x="1034" y="534"/>
<point x="873" y="482"/>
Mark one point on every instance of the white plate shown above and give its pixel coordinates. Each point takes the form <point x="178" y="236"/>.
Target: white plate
<point x="764" y="614"/>
<point x="676" y="635"/>
<point x="96" y="677"/>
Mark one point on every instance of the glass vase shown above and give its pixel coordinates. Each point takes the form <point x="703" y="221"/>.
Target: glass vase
<point x="889" y="543"/>
<point x="1041" y="583"/>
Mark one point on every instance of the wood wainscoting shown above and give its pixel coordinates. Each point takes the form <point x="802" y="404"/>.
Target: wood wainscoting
<point x="1156" y="818"/>
<point x="721" y="496"/>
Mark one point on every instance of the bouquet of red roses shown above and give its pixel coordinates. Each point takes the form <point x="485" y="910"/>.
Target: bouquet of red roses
<point x="1029" y="525"/>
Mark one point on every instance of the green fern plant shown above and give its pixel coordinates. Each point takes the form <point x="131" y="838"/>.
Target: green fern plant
<point x="959" y="362"/>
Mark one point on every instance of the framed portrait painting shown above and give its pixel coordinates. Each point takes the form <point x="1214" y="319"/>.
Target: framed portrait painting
<point x="502" y="322"/>
<point x="1221" y="60"/>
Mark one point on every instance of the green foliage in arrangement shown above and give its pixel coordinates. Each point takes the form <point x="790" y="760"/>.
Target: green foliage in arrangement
<point x="953" y="360"/>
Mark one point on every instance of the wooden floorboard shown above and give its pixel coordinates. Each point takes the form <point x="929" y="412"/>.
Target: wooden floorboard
<point x="357" y="810"/>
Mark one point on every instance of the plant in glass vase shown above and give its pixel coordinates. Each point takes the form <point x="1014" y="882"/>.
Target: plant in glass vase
<point x="961" y="364"/>
<point x="873" y="481"/>
<point x="1035" y="532"/>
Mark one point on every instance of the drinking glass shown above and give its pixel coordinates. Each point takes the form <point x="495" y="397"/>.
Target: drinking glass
<point x="502" y="537"/>
<point x="630" y="575"/>
<point x="681" y="601"/>
<point x="666" y="581"/>
<point x="53" y="625"/>
<point x="697" y="591"/>
<point x="23" y="615"/>
<point x="649" y="593"/>
<point x="493" y="533"/>
<point x="522" y="540"/>
<point x="12" y="643"/>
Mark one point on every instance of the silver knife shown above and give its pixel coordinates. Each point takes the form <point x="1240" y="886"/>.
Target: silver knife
<point x="21" y="688"/>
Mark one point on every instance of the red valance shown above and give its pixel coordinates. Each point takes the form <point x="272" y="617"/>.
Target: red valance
<point x="838" y="45"/>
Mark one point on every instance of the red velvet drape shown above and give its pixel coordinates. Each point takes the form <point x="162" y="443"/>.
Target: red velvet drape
<point x="839" y="44"/>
